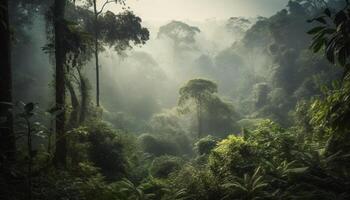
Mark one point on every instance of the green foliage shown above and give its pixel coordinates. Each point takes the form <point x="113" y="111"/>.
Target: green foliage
<point x="233" y="155"/>
<point x="124" y="121"/>
<point x="172" y="194"/>
<point x="108" y="149"/>
<point x="258" y="34"/>
<point x="163" y="166"/>
<point x="333" y="36"/>
<point x="246" y="188"/>
<point x="293" y="72"/>
<point x="157" y="147"/>
<point x="87" y="184"/>
<point x="128" y="191"/>
<point x="196" y="183"/>
<point x="198" y="90"/>
<point x="278" y="160"/>
<point x="122" y="30"/>
<point x="273" y="141"/>
<point x="250" y="124"/>
<point x="309" y="160"/>
<point x="220" y="117"/>
<point x="332" y="111"/>
<point x="213" y="114"/>
<point x="329" y="117"/>
<point x="205" y="145"/>
<point x="165" y="144"/>
<point x="166" y="122"/>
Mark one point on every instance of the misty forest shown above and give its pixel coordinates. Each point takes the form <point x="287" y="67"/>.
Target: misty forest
<point x="211" y="100"/>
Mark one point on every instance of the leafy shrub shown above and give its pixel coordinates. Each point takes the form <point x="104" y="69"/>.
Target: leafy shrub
<point x="175" y="145"/>
<point x="107" y="150"/>
<point x="88" y="184"/>
<point x="250" y="124"/>
<point x="125" y="190"/>
<point x="194" y="183"/>
<point x="205" y="145"/>
<point x="273" y="141"/>
<point x="167" y="122"/>
<point x="157" y="187"/>
<point x="233" y="155"/>
<point x="163" y="166"/>
<point x="246" y="188"/>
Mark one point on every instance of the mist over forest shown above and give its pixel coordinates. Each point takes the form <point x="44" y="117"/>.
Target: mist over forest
<point x="100" y="102"/>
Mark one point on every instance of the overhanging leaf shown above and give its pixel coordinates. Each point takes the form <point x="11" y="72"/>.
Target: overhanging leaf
<point x="342" y="56"/>
<point x="316" y="30"/>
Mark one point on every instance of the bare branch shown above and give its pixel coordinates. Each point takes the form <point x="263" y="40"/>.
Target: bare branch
<point x="104" y="5"/>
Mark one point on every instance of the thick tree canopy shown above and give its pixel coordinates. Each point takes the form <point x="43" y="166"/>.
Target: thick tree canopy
<point x="263" y="112"/>
<point x="122" y="30"/>
<point x="181" y="33"/>
<point x="197" y="90"/>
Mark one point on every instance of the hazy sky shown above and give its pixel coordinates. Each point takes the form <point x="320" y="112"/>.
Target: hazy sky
<point x="163" y="10"/>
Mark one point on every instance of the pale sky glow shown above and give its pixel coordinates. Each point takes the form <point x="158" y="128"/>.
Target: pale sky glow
<point x="165" y="10"/>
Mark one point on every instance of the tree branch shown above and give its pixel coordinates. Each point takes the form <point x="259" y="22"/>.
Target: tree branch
<point x="104" y="5"/>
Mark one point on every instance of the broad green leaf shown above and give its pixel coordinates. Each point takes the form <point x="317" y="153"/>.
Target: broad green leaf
<point x="342" y="56"/>
<point x="316" y="30"/>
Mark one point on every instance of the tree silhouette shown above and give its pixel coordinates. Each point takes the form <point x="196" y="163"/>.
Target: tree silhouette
<point x="7" y="139"/>
<point x="199" y="91"/>
<point x="114" y="30"/>
<point x="183" y="35"/>
<point x="60" y="59"/>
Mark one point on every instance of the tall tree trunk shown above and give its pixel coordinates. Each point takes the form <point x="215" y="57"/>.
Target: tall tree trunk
<point x="199" y="118"/>
<point x="59" y="26"/>
<point x="73" y="118"/>
<point x="7" y="138"/>
<point x="96" y="55"/>
<point x="84" y="97"/>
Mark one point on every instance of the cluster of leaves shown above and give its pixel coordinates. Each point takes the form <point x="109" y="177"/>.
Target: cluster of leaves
<point x="163" y="166"/>
<point x="333" y="35"/>
<point x="165" y="144"/>
<point x="267" y="163"/>
<point x="331" y="111"/>
<point x="205" y="145"/>
<point x="182" y="34"/>
<point x="127" y="29"/>
<point x="97" y="156"/>
<point x="200" y="95"/>
<point x="291" y="72"/>
<point x="197" y="90"/>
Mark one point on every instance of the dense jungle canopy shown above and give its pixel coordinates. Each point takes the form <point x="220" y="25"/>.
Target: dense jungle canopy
<point x="174" y="100"/>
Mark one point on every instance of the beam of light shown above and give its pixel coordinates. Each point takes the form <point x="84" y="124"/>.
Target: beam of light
<point x="199" y="10"/>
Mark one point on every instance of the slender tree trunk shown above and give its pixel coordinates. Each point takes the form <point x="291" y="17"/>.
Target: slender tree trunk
<point x="96" y="55"/>
<point x="73" y="121"/>
<point x="84" y="97"/>
<point x="199" y="118"/>
<point x="30" y="161"/>
<point x="74" y="115"/>
<point x="59" y="26"/>
<point x="7" y="138"/>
